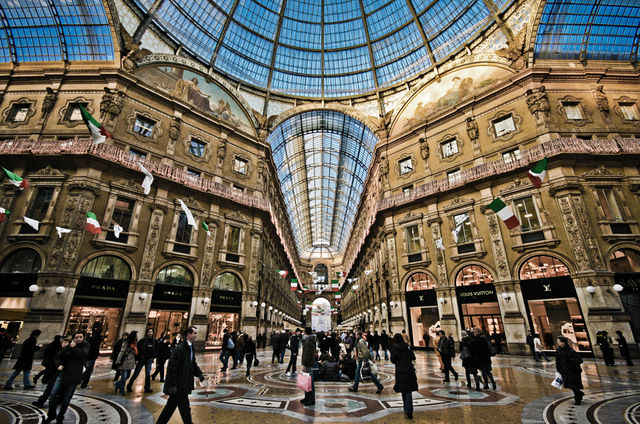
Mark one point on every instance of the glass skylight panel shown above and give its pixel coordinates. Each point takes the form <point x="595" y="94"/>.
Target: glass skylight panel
<point x="346" y="61"/>
<point x="192" y="36"/>
<point x="257" y="18"/>
<point x="304" y="10"/>
<point x="460" y="30"/>
<point x="341" y="10"/>
<point x="29" y="22"/>
<point x="296" y="84"/>
<point x="403" y="68"/>
<point x="248" y="44"/>
<point x="438" y="16"/>
<point x="5" y="53"/>
<point x="301" y="34"/>
<point x="344" y="34"/>
<point x="348" y="84"/>
<point x="396" y="45"/>
<point x="298" y="61"/>
<point x="386" y="20"/>
<point x="241" y="68"/>
<point x="207" y="16"/>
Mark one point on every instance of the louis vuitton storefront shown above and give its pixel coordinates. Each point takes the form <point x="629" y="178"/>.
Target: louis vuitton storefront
<point x="422" y="308"/>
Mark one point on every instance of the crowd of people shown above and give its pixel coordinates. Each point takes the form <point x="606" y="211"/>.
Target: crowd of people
<point x="325" y="356"/>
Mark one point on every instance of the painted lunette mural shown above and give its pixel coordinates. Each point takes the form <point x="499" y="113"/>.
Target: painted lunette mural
<point x="196" y="90"/>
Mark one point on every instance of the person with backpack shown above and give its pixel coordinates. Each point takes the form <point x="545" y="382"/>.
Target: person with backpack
<point x="468" y="360"/>
<point x="25" y="361"/>
<point x="6" y="343"/>
<point x="233" y="349"/>
<point x="447" y="351"/>
<point x="406" y="380"/>
<point x="363" y="356"/>
<point x="294" y="347"/>
<point x="482" y="351"/>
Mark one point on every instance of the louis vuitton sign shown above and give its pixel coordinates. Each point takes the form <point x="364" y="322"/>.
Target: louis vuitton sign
<point x="477" y="293"/>
<point x="548" y="288"/>
<point x="421" y="298"/>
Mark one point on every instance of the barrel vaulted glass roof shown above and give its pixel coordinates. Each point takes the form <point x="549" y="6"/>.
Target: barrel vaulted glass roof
<point x="316" y="48"/>
<point x="54" y="30"/>
<point x="322" y="158"/>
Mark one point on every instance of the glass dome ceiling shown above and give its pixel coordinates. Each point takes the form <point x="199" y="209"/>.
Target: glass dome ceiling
<point x="322" y="158"/>
<point x="322" y="48"/>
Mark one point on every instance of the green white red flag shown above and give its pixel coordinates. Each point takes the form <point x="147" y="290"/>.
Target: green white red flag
<point x="282" y="273"/>
<point x="339" y="274"/>
<point x="98" y="132"/>
<point x="538" y="173"/>
<point x="206" y="228"/>
<point x="3" y="212"/>
<point x="294" y="284"/>
<point x="335" y="285"/>
<point x="338" y="295"/>
<point x="16" y="180"/>
<point x="93" y="226"/>
<point x="505" y="213"/>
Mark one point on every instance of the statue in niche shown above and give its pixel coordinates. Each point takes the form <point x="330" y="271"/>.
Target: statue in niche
<point x="538" y="104"/>
<point x="222" y="149"/>
<point x="424" y="148"/>
<point x="116" y="104"/>
<point x="48" y="102"/>
<point x="384" y="168"/>
<point x="472" y="129"/>
<point x="601" y="101"/>
<point x="107" y="98"/>
<point x="174" y="129"/>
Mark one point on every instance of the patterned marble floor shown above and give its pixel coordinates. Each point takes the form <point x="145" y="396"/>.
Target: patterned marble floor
<point x="524" y="394"/>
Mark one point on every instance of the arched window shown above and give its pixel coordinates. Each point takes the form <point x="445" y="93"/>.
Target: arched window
<point x="420" y="281"/>
<point x="322" y="273"/>
<point x="107" y="266"/>
<point x="543" y="267"/>
<point x="473" y="274"/>
<point x="228" y="281"/>
<point x="22" y="260"/>
<point x="625" y="260"/>
<point x="176" y="275"/>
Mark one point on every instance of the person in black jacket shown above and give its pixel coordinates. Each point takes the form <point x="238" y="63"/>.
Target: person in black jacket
<point x="605" y="342"/>
<point x="275" y="345"/>
<point x="384" y="344"/>
<point x="308" y="362"/>
<point x="624" y="348"/>
<point x="49" y="360"/>
<point x="480" y="349"/>
<point x="375" y="345"/>
<point x="282" y="346"/>
<point x="224" y="350"/>
<point x="294" y="346"/>
<point x="114" y="355"/>
<point x="73" y="358"/>
<point x="57" y="362"/>
<point x="94" y="343"/>
<point x="25" y="361"/>
<point x="164" y="353"/>
<point x="147" y="351"/>
<point x="406" y="381"/>
<point x="249" y="352"/>
<point x="447" y="351"/>
<point x="468" y="359"/>
<point x="178" y="385"/>
<point x="568" y="365"/>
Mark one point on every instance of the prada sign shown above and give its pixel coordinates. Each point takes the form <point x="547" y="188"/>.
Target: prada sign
<point x="629" y="280"/>
<point x="102" y="287"/>
<point x="477" y="293"/>
<point x="167" y="293"/>
<point x="548" y="288"/>
<point x="421" y="298"/>
<point x="225" y="297"/>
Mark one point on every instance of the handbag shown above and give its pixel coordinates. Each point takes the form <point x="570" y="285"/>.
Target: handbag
<point x="365" y="371"/>
<point x="256" y="362"/>
<point x="465" y="354"/>
<point x="374" y="369"/>
<point x="303" y="381"/>
<point x="558" y="382"/>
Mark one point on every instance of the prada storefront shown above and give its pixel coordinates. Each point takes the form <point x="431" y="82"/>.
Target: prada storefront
<point x="100" y="296"/>
<point x="171" y="301"/>
<point x="226" y="302"/>
<point x="551" y="303"/>
<point x="423" y="310"/>
<point x="478" y="304"/>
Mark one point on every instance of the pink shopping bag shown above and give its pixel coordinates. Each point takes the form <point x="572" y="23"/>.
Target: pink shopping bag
<point x="304" y="381"/>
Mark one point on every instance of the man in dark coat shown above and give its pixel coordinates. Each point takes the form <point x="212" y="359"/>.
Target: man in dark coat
<point x="275" y="345"/>
<point x="164" y="353"/>
<point x="147" y="351"/>
<point x="49" y="360"/>
<point x="481" y="350"/>
<point x="406" y="381"/>
<point x="375" y="345"/>
<point x="568" y="365"/>
<point x="624" y="348"/>
<point x="308" y="362"/>
<point x="532" y="348"/>
<point x="94" y="351"/>
<point x="224" y="352"/>
<point x="57" y="362"/>
<point x="6" y="342"/>
<point x="282" y="346"/>
<point x="294" y="346"/>
<point x="178" y="385"/>
<point x="447" y="351"/>
<point x="384" y="344"/>
<point x="605" y="342"/>
<point x="25" y="361"/>
<point x="72" y="361"/>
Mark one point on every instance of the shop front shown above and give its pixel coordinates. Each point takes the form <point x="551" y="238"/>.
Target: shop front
<point x="478" y="304"/>
<point x="171" y="301"/>
<point x="552" y="304"/>
<point x="625" y="263"/>
<point x="422" y="306"/>
<point x="226" y="303"/>
<point x="19" y="271"/>
<point x="100" y="297"/>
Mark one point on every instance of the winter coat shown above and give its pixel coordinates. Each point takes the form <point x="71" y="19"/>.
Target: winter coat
<point x="144" y="353"/>
<point x="73" y="359"/>
<point x="568" y="365"/>
<point x="127" y="358"/>
<point x="309" y="352"/>
<point x="25" y="361"/>
<point x="94" y="346"/>
<point x="164" y="351"/>
<point x="181" y="370"/>
<point x="114" y="354"/>
<point x="240" y="343"/>
<point x="275" y="341"/>
<point x="349" y="366"/>
<point x="384" y="341"/>
<point x="331" y="371"/>
<point x="402" y="356"/>
<point x="49" y="354"/>
<point x="282" y="342"/>
<point x="470" y="364"/>
<point x="445" y="347"/>
<point x="480" y="351"/>
<point x="249" y="348"/>
<point x="225" y="341"/>
<point x="375" y="341"/>
<point x="294" y="344"/>
<point x="362" y="350"/>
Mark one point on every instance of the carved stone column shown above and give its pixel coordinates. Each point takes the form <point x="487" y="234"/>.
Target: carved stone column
<point x="398" y="321"/>
<point x="444" y="290"/>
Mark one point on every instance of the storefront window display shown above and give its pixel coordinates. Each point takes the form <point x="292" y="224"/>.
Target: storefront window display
<point x="226" y="302"/>
<point x="423" y="310"/>
<point x="626" y="265"/>
<point x="171" y="300"/>
<point x="478" y="304"/>
<point x="82" y="318"/>
<point x="552" y="304"/>
<point x="219" y="321"/>
<point x="169" y="323"/>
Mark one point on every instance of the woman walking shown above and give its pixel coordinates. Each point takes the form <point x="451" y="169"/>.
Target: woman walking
<point x="406" y="380"/>
<point x="447" y="351"/>
<point x="164" y="353"/>
<point x="481" y="350"/>
<point x="568" y="365"/>
<point x="249" y="352"/>
<point x="114" y="355"/>
<point x="127" y="361"/>
<point x="25" y="361"/>
<point x="468" y="360"/>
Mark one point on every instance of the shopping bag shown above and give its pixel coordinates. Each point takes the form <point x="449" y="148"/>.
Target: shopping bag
<point x="374" y="369"/>
<point x="365" y="371"/>
<point x="558" y="382"/>
<point x="304" y="381"/>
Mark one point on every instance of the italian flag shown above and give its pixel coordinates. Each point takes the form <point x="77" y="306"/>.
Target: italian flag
<point x="206" y="228"/>
<point x="282" y="273"/>
<point x="335" y="285"/>
<point x="339" y="274"/>
<point x="538" y="173"/>
<point x="93" y="226"/>
<point x="98" y="133"/>
<point x="338" y="296"/>
<point x="505" y="213"/>
<point x="16" y="180"/>
<point x="3" y="213"/>
<point x="294" y="284"/>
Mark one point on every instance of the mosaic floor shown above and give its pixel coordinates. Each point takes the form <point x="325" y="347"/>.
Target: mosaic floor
<point x="524" y="394"/>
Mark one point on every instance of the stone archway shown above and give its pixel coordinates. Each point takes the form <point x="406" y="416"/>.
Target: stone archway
<point x="321" y="314"/>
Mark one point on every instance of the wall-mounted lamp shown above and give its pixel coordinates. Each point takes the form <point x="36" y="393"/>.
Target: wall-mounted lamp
<point x="205" y="300"/>
<point x="384" y="305"/>
<point x="275" y="312"/>
<point x="254" y="304"/>
<point x="393" y="304"/>
<point x="143" y="296"/>
<point x="33" y="288"/>
<point x="60" y="290"/>
<point x="263" y="305"/>
<point x="591" y="290"/>
<point x="375" y="308"/>
<point x="442" y="300"/>
<point x="618" y="287"/>
<point x="506" y="297"/>
<point x="271" y="307"/>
